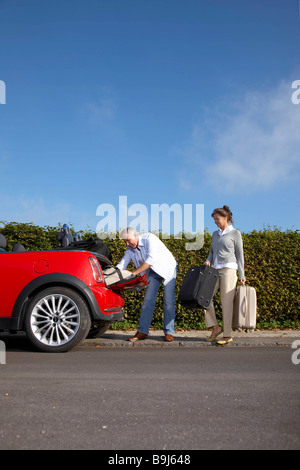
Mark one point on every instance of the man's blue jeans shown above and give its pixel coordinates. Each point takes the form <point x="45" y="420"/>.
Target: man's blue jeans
<point x="150" y="299"/>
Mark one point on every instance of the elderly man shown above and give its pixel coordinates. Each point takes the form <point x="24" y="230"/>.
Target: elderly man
<point x="150" y="255"/>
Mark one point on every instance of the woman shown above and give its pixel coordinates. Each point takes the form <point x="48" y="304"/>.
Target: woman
<point x="227" y="256"/>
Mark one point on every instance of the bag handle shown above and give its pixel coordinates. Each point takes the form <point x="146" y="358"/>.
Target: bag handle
<point x="245" y="304"/>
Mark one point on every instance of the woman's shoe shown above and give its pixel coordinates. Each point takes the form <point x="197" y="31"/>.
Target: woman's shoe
<point x="214" y="335"/>
<point x="222" y="342"/>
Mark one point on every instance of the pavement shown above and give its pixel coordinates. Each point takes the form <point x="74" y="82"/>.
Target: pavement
<point x="196" y="339"/>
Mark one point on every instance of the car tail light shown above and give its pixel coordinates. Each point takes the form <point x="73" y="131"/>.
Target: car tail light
<point x="96" y="269"/>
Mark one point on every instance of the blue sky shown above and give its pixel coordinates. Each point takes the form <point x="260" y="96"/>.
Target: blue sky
<point x="162" y="101"/>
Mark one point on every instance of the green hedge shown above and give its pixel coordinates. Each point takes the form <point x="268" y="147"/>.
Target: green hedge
<point x="271" y="266"/>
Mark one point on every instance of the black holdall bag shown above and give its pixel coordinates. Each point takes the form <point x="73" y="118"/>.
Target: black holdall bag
<point x="93" y="244"/>
<point x="198" y="287"/>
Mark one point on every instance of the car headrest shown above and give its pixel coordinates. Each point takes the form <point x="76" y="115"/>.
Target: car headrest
<point x="18" y="248"/>
<point x="77" y="237"/>
<point x="3" y="242"/>
<point x="65" y="236"/>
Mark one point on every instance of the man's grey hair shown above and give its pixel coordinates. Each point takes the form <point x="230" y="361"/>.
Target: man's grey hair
<point x="129" y="231"/>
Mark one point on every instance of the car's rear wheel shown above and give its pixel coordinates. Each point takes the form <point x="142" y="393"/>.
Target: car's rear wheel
<point x="57" y="319"/>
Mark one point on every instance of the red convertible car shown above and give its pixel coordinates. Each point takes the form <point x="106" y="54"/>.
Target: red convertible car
<point x="59" y="297"/>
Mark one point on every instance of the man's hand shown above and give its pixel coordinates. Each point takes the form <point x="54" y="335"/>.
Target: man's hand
<point x="141" y="269"/>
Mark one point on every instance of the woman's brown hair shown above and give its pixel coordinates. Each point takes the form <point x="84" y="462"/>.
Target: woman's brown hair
<point x="224" y="212"/>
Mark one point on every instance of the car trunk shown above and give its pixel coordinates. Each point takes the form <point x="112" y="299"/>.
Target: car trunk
<point x="132" y="282"/>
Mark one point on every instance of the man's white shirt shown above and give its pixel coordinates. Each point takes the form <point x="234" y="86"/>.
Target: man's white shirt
<point x="151" y="250"/>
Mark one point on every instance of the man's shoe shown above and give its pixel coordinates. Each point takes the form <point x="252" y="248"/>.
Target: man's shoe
<point x="168" y="338"/>
<point x="138" y="336"/>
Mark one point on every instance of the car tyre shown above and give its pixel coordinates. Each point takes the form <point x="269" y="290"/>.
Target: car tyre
<point x="57" y="319"/>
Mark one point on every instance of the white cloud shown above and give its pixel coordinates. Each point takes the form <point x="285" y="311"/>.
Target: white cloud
<point x="39" y="211"/>
<point x="254" y="146"/>
<point x="100" y="111"/>
<point x="32" y="209"/>
<point x="101" y="108"/>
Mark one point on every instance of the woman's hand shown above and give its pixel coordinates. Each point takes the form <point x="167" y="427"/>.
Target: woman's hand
<point x="206" y="263"/>
<point x="243" y="281"/>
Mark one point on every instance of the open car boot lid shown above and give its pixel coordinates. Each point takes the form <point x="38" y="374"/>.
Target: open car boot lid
<point x="131" y="283"/>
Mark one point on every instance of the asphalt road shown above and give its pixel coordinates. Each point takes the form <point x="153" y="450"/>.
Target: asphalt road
<point x="147" y="398"/>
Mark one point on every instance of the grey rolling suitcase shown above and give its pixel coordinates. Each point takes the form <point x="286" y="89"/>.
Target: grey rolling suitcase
<point x="245" y="311"/>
